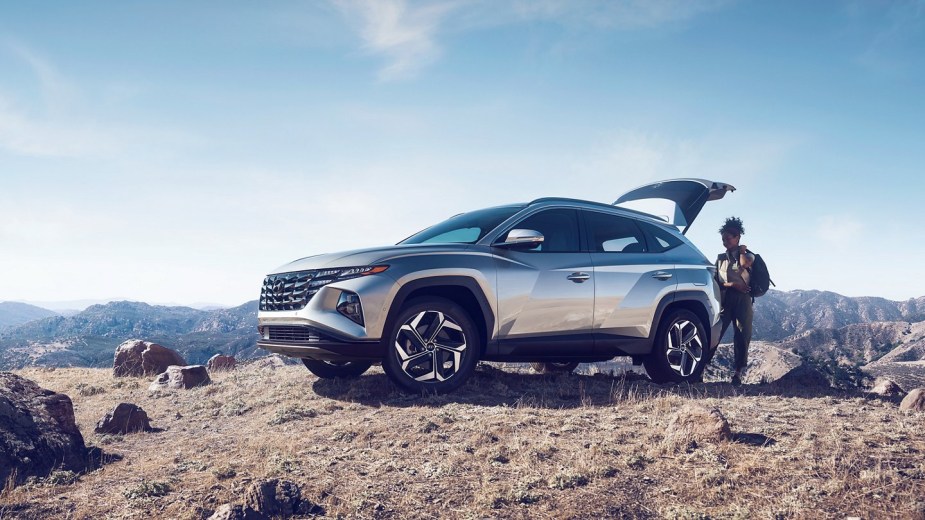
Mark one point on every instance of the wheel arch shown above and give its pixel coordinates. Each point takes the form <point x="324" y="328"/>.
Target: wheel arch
<point x="461" y="290"/>
<point x="694" y="301"/>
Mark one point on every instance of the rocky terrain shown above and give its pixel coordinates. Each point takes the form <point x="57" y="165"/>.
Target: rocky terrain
<point x="509" y="444"/>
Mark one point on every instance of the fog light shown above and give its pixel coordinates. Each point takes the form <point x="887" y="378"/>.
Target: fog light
<point x="349" y="305"/>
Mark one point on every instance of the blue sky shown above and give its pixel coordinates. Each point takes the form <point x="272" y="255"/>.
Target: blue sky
<point x="177" y="151"/>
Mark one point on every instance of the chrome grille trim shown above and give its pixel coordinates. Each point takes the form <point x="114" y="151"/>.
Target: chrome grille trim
<point x="292" y="291"/>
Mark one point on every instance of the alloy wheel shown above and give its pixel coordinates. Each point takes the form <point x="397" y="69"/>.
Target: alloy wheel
<point x="430" y="346"/>
<point x="685" y="348"/>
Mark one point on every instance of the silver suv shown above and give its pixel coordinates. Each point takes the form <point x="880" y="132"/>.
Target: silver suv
<point x="554" y="281"/>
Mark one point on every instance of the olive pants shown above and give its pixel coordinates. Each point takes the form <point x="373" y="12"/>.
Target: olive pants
<point x="737" y="310"/>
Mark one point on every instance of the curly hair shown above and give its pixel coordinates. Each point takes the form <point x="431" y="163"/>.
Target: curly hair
<point x="733" y="225"/>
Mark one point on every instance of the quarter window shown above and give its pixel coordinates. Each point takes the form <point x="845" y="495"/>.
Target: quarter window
<point x="614" y="234"/>
<point x="660" y="239"/>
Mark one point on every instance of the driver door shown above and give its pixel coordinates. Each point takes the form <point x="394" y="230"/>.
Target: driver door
<point x="546" y="293"/>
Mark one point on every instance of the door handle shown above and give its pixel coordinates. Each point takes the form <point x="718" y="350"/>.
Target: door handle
<point x="579" y="277"/>
<point x="661" y="275"/>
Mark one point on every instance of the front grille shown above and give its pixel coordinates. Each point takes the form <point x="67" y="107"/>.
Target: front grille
<point x="292" y="291"/>
<point x="292" y="333"/>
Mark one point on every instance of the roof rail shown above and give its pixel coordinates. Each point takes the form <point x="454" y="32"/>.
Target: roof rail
<point x="598" y="204"/>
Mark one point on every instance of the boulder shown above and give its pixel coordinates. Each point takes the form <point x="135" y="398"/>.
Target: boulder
<point x="279" y="498"/>
<point x="914" y="402"/>
<point x="696" y="424"/>
<point x="177" y="377"/>
<point x="38" y="433"/>
<point x="220" y="362"/>
<point x="887" y="387"/>
<point x="803" y="376"/>
<point x="124" y="418"/>
<point x="137" y="358"/>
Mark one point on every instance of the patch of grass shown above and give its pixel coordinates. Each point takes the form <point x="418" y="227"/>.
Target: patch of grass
<point x="568" y="480"/>
<point x="87" y="390"/>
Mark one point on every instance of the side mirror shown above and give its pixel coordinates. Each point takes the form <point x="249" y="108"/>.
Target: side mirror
<point x="522" y="239"/>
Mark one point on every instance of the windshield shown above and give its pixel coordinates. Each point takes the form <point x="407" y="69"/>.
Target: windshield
<point x="466" y="228"/>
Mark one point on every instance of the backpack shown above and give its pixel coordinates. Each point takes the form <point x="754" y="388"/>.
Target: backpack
<point x="759" y="278"/>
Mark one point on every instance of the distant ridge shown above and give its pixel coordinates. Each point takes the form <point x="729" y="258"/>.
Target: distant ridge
<point x="16" y="313"/>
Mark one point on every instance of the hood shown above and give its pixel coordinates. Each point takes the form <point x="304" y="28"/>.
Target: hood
<point x="364" y="257"/>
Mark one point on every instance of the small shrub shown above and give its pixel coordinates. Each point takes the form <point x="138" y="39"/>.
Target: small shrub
<point x="147" y="490"/>
<point x="224" y="473"/>
<point x="291" y="413"/>
<point x="568" y="481"/>
<point x="88" y="390"/>
<point x="61" y="478"/>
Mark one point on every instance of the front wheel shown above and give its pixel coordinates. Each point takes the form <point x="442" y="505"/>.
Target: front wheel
<point x="334" y="369"/>
<point x="680" y="349"/>
<point x="433" y="347"/>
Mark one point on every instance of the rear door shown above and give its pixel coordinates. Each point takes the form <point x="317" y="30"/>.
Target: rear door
<point x="630" y="278"/>
<point x="687" y="195"/>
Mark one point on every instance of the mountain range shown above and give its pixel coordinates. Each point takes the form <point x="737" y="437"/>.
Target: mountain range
<point x="845" y="337"/>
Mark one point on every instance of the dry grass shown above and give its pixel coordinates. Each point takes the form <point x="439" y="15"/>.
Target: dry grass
<point x="509" y="445"/>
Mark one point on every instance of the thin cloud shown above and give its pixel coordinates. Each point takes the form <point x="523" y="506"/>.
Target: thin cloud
<point x="408" y="33"/>
<point x="841" y="231"/>
<point x="405" y="34"/>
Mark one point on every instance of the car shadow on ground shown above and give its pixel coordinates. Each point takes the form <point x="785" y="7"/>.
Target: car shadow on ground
<point x="490" y="386"/>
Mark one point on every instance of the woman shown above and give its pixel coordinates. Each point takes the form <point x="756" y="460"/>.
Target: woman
<point x="733" y="277"/>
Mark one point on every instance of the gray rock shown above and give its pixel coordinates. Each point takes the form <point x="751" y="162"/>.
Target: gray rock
<point x="697" y="424"/>
<point x="803" y="376"/>
<point x="137" y="358"/>
<point x="887" y="387"/>
<point x="220" y="362"/>
<point x="38" y="433"/>
<point x="236" y="512"/>
<point x="181" y="377"/>
<point x="279" y="498"/>
<point x="914" y="402"/>
<point x="124" y="418"/>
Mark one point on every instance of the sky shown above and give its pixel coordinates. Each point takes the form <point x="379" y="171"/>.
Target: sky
<point x="175" y="151"/>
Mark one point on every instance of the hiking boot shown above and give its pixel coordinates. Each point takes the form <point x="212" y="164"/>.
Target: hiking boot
<point x="736" y="380"/>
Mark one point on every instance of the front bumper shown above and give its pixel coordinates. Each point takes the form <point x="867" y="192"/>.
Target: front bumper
<point x="326" y="350"/>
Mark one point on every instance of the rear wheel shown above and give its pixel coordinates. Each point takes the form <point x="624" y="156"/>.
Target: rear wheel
<point x="433" y="346"/>
<point x="554" y="367"/>
<point x="334" y="369"/>
<point x="680" y="349"/>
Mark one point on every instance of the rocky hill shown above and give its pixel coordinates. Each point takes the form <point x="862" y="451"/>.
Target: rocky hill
<point x="89" y="338"/>
<point x="13" y="314"/>
<point x="779" y="315"/>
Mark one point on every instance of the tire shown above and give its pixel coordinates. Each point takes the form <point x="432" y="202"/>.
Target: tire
<point x="680" y="350"/>
<point x="433" y="347"/>
<point x="555" y="367"/>
<point x="334" y="369"/>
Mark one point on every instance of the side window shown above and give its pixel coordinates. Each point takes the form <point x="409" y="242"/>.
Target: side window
<point x="660" y="239"/>
<point x="614" y="234"/>
<point x="559" y="228"/>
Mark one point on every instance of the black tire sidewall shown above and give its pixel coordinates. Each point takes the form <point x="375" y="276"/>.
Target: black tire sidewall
<point x="391" y="364"/>
<point x="656" y="363"/>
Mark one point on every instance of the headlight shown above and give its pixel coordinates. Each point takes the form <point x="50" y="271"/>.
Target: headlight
<point x="323" y="277"/>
